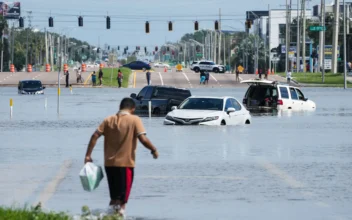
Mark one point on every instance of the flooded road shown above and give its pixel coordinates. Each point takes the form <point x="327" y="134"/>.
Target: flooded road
<point x="289" y="166"/>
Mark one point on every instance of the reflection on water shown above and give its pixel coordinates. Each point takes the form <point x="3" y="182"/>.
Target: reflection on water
<point x="313" y="148"/>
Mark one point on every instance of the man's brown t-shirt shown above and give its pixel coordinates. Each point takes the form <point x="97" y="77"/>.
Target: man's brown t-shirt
<point x="121" y="133"/>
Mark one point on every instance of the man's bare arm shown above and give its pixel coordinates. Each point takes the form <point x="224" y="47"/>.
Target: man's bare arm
<point x="148" y="144"/>
<point x="91" y="145"/>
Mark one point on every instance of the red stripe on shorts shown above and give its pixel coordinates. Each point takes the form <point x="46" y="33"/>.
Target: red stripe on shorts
<point x="129" y="179"/>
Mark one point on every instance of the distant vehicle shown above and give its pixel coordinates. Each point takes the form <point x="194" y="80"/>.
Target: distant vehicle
<point x="161" y="65"/>
<point x="33" y="87"/>
<point x="137" y="65"/>
<point x="162" y="99"/>
<point x="209" y="66"/>
<point x="95" y="65"/>
<point x="208" y="111"/>
<point x="265" y="95"/>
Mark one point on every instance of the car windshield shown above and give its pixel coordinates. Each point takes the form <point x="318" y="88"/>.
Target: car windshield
<point x="203" y="104"/>
<point x="32" y="84"/>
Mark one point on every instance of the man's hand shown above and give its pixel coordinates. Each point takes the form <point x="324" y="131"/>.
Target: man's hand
<point x="155" y="154"/>
<point x="87" y="159"/>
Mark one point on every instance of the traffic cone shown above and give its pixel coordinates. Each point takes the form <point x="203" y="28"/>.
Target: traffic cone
<point x="272" y="72"/>
<point x="256" y="71"/>
<point x="269" y="72"/>
<point x="165" y="69"/>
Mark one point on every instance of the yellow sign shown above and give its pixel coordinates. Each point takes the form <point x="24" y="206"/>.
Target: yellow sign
<point x="240" y="69"/>
<point x="179" y="67"/>
<point x="58" y="91"/>
<point x="11" y="102"/>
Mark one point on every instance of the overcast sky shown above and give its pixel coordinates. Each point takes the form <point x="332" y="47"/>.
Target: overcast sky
<point x="128" y="17"/>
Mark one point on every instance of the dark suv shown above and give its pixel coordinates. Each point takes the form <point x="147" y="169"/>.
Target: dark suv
<point x="162" y="99"/>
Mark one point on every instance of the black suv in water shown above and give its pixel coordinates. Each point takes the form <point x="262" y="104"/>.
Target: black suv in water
<point x="33" y="87"/>
<point x="162" y="99"/>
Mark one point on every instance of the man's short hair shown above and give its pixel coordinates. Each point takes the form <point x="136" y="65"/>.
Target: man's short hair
<point x="127" y="103"/>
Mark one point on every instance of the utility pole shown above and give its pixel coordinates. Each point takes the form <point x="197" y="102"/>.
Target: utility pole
<point x="51" y="41"/>
<point x="298" y="54"/>
<point x="224" y="50"/>
<point x="13" y="42"/>
<point x="215" y="37"/>
<point x="304" y="36"/>
<point x="287" y="38"/>
<point x="269" y="33"/>
<point x="321" y="49"/>
<point x="335" y="36"/>
<point x="46" y="47"/>
<point x="58" y="63"/>
<point x="2" y="39"/>
<point x="323" y="43"/>
<point x="344" y="46"/>
<point x="219" y="55"/>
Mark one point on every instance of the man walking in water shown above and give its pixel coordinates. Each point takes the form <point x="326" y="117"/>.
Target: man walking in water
<point x="148" y="75"/>
<point x="121" y="132"/>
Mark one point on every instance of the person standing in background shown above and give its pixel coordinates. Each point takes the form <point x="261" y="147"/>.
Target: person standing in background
<point x="119" y="78"/>
<point x="100" y="77"/>
<point x="67" y="74"/>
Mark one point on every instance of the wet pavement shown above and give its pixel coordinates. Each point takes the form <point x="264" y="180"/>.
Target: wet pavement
<point x="288" y="166"/>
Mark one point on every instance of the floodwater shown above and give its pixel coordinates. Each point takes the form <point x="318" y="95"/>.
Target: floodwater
<point x="289" y="166"/>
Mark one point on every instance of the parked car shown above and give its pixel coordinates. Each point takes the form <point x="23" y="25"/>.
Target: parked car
<point x="208" y="111"/>
<point x="33" y="87"/>
<point x="161" y="65"/>
<point x="137" y="65"/>
<point x="209" y="66"/>
<point x="162" y="99"/>
<point x="265" y="95"/>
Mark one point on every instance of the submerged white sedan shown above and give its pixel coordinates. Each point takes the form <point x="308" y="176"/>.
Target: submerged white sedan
<point x="197" y="110"/>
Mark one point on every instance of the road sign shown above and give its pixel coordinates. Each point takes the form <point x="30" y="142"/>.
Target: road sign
<point x="199" y="55"/>
<point x="317" y="28"/>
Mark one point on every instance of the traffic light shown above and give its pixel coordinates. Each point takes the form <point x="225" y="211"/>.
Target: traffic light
<point x="108" y="47"/>
<point x="248" y="24"/>
<point x="88" y="47"/>
<point x="168" y="49"/>
<point x="21" y="22"/>
<point x="108" y="22"/>
<point x="126" y="48"/>
<point x="216" y="25"/>
<point x="145" y="49"/>
<point x="80" y="21"/>
<point x="51" y="22"/>
<point x="118" y="47"/>
<point x="170" y="26"/>
<point x="196" y="26"/>
<point x="181" y="49"/>
<point x="82" y="50"/>
<point x="156" y="48"/>
<point x="98" y="50"/>
<point x="147" y="27"/>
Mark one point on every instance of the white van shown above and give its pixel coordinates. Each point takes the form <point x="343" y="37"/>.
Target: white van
<point x="265" y="95"/>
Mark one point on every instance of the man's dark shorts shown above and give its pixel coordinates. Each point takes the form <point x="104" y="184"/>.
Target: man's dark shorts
<point x="120" y="181"/>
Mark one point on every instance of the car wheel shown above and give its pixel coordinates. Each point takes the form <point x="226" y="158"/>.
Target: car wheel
<point x="223" y="123"/>
<point x="196" y="69"/>
<point x="216" y="70"/>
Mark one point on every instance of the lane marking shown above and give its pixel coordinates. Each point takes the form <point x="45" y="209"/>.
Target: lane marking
<point x="134" y="80"/>
<point x="193" y="177"/>
<point x="289" y="180"/>
<point x="52" y="186"/>
<point x="215" y="79"/>
<point x="161" y="79"/>
<point x="187" y="79"/>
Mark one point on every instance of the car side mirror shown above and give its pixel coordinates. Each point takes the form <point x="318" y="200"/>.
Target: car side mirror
<point x="305" y="99"/>
<point x="173" y="108"/>
<point x="44" y="87"/>
<point x="133" y="96"/>
<point x="230" y="110"/>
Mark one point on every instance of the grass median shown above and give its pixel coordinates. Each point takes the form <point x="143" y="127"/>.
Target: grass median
<point x="331" y="80"/>
<point x="113" y="83"/>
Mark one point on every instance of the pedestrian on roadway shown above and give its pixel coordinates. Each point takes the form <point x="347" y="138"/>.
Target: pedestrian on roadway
<point x="288" y="76"/>
<point x="206" y="77"/>
<point x="260" y="73"/>
<point x="79" y="75"/>
<point x="148" y="76"/>
<point x="266" y="74"/>
<point x="67" y="74"/>
<point x="119" y="78"/>
<point x="237" y="75"/>
<point x="94" y="78"/>
<point x="100" y="77"/>
<point x="202" y="77"/>
<point x="120" y="132"/>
